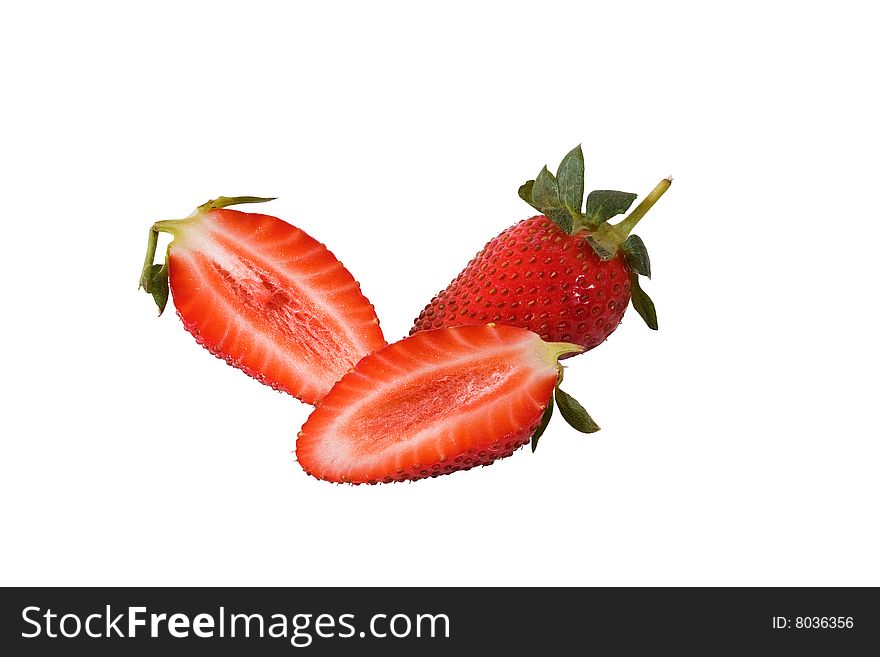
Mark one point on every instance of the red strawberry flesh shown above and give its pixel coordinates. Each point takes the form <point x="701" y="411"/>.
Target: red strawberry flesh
<point x="434" y="403"/>
<point x="269" y="299"/>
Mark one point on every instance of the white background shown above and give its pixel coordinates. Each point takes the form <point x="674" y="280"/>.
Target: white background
<point x="739" y="443"/>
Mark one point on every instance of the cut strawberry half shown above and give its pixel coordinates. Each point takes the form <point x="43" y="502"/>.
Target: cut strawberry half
<point x="437" y="402"/>
<point x="264" y="296"/>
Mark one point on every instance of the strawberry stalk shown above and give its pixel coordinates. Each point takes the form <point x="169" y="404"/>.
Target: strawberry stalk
<point x="152" y="243"/>
<point x="624" y="228"/>
<point x="608" y="239"/>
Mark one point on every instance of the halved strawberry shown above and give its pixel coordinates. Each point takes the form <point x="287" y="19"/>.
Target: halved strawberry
<point x="264" y="296"/>
<point x="437" y="402"/>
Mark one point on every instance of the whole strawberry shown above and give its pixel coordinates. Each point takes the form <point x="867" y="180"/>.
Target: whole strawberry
<point x="566" y="274"/>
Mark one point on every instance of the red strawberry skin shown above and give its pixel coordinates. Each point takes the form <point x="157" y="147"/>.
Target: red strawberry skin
<point x="535" y="276"/>
<point x="268" y="299"/>
<point x="431" y="404"/>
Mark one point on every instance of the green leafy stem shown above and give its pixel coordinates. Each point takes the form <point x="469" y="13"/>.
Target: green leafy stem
<point x="561" y="199"/>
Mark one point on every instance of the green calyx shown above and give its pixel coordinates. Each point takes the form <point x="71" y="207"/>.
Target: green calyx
<point x="561" y="199"/>
<point x="154" y="277"/>
<point x="570" y="409"/>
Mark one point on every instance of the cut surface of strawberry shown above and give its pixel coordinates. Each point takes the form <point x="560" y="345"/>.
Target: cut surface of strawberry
<point x="264" y="296"/>
<point x="431" y="404"/>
